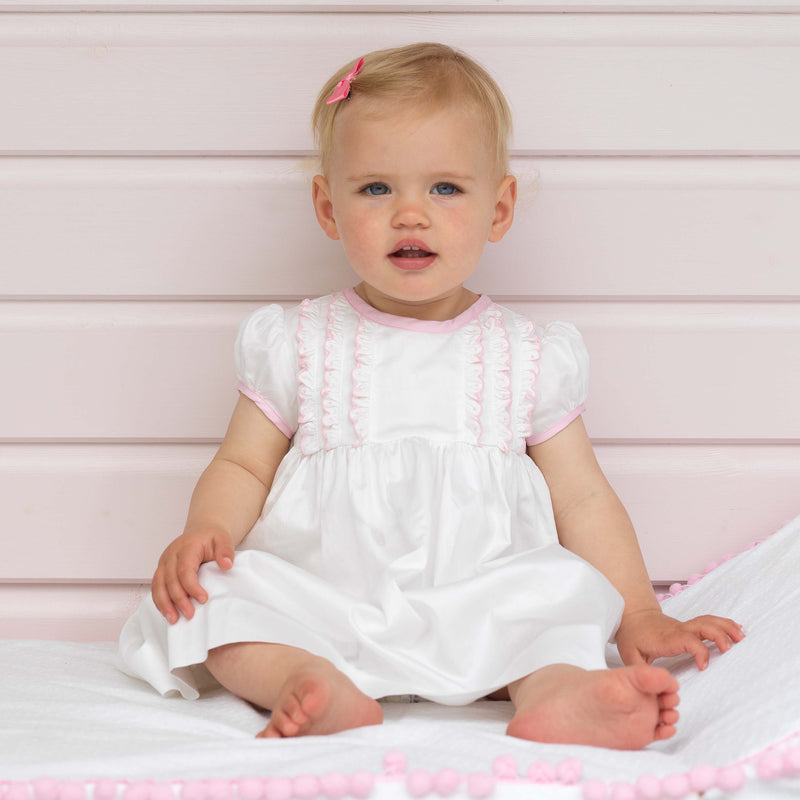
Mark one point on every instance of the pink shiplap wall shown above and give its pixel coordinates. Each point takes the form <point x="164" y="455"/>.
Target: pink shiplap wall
<point x="154" y="188"/>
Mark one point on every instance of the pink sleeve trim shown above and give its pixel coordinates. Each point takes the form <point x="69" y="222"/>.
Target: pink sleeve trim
<point x="271" y="414"/>
<point x="538" y="438"/>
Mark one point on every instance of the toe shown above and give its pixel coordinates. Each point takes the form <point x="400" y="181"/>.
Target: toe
<point x="654" y="680"/>
<point x="664" y="732"/>
<point x="292" y="708"/>
<point x="669" y="717"/>
<point x="668" y="700"/>
<point x="313" y="696"/>
<point x="270" y="732"/>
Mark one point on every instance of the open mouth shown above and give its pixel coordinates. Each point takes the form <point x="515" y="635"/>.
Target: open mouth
<point x="412" y="255"/>
<point x="411" y="251"/>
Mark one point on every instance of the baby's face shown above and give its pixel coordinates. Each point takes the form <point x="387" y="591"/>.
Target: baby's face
<point x="414" y="199"/>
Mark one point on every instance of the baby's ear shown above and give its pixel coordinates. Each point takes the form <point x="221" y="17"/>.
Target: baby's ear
<point x="504" y="208"/>
<point x="323" y="206"/>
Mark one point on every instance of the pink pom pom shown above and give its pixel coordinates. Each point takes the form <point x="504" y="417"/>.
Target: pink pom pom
<point x="622" y="791"/>
<point x="694" y="577"/>
<point x="661" y="597"/>
<point x="542" y="772"/>
<point x="305" y="787"/>
<point x="594" y="790"/>
<point x="730" y="779"/>
<point x="192" y="790"/>
<point x="361" y="784"/>
<point x="105" y="790"/>
<point x="446" y="781"/>
<point x="419" y="783"/>
<point x="770" y="766"/>
<point x="480" y="784"/>
<point x="702" y="777"/>
<point x="569" y="771"/>
<point x="648" y="787"/>
<point x="278" y="789"/>
<point x="675" y="786"/>
<point x="505" y="767"/>
<point x="162" y="790"/>
<point x="791" y="761"/>
<point x="217" y="789"/>
<point x="72" y="790"/>
<point x="395" y="762"/>
<point x="17" y="791"/>
<point x="675" y="588"/>
<point x="333" y="785"/>
<point x="45" y="789"/>
<point x="726" y="557"/>
<point x="710" y="567"/>
<point x="250" y="788"/>
<point x="137" y="790"/>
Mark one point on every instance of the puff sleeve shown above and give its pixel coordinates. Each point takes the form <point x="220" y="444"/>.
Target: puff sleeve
<point x="266" y="366"/>
<point x="562" y="382"/>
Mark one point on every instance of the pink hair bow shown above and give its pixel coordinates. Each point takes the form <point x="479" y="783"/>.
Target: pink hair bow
<point x="342" y="89"/>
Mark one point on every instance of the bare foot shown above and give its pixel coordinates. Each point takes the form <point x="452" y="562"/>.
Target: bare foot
<point x="624" y="709"/>
<point x="320" y="701"/>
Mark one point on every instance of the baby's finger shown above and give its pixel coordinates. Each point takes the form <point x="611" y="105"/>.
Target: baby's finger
<point x="718" y="630"/>
<point x="732" y="629"/>
<point x="690" y="643"/>
<point x="223" y="553"/>
<point x="178" y="595"/>
<point x="187" y="575"/>
<point x="161" y="597"/>
<point x="723" y="635"/>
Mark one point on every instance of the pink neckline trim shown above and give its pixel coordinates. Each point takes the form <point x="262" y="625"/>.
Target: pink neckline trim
<point x="411" y="324"/>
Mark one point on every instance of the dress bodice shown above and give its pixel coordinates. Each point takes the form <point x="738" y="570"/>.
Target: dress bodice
<point x="335" y="372"/>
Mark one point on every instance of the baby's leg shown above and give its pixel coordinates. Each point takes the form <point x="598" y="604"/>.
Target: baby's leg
<point x="306" y="693"/>
<point x="625" y="708"/>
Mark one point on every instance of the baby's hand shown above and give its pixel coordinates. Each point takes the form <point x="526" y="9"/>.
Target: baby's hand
<point x="646" y="635"/>
<point x="175" y="580"/>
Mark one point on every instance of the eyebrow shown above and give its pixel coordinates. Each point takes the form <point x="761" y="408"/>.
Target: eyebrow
<point x="442" y="176"/>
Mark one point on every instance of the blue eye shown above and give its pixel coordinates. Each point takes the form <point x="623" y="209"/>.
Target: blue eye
<point x="376" y="189"/>
<point x="445" y="189"/>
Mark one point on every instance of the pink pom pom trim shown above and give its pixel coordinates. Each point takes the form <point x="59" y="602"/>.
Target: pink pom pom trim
<point x="446" y="781"/>
<point x="730" y="779"/>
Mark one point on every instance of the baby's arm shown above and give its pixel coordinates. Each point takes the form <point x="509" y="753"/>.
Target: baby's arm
<point x="226" y="503"/>
<point x="593" y="524"/>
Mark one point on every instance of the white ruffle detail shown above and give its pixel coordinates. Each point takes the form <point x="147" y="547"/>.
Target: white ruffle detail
<point x="363" y="359"/>
<point x="473" y="333"/>
<point x="497" y="350"/>
<point x="308" y="396"/>
<point x="530" y="349"/>
<point x="332" y="378"/>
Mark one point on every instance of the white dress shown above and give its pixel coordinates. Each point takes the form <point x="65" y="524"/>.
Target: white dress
<point x="407" y="538"/>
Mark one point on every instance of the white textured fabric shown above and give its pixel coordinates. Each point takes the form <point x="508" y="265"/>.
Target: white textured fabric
<point x="407" y="538"/>
<point x="68" y="713"/>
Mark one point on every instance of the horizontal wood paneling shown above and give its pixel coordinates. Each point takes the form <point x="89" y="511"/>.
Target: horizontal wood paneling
<point x="446" y="6"/>
<point x="176" y="171"/>
<point x="66" y="612"/>
<point x="104" y="513"/>
<point x="144" y="83"/>
<point x="244" y="227"/>
<point x="164" y="370"/>
<point x="94" y="513"/>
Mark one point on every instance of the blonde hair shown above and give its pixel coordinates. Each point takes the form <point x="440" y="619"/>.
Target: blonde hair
<point x="429" y="74"/>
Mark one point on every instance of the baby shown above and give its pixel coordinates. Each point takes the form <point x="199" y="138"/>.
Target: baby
<point x="406" y="500"/>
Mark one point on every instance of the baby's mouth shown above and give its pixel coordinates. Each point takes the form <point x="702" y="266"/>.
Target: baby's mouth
<point x="411" y="252"/>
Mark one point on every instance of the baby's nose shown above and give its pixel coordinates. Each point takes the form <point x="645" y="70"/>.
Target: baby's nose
<point x="410" y="212"/>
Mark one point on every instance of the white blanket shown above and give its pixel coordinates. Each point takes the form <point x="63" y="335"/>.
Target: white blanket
<point x="67" y="713"/>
